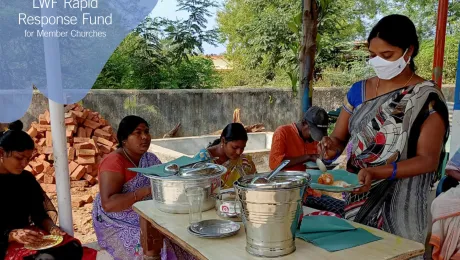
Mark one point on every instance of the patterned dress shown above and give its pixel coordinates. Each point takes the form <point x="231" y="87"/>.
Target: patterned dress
<point x="119" y="232"/>
<point x="235" y="168"/>
<point x="385" y="130"/>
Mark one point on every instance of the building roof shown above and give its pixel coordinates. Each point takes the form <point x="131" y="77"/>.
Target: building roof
<point x="220" y="62"/>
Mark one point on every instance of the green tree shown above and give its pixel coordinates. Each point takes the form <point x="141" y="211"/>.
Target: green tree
<point x="424" y="14"/>
<point x="262" y="36"/>
<point x="161" y="53"/>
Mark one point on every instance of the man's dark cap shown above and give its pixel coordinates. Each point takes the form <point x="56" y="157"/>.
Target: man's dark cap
<point x="318" y="121"/>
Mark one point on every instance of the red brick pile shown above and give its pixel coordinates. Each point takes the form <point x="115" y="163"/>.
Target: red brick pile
<point x="89" y="139"/>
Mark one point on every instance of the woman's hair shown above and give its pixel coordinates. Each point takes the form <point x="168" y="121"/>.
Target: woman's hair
<point x="127" y="127"/>
<point x="16" y="125"/>
<point x="16" y="141"/>
<point x="397" y="30"/>
<point x="232" y="132"/>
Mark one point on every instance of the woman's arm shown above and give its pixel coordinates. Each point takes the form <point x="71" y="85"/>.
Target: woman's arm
<point x="426" y="160"/>
<point x="453" y="173"/>
<point x="339" y="138"/>
<point x="110" y="188"/>
<point x="340" y="135"/>
<point x="248" y="165"/>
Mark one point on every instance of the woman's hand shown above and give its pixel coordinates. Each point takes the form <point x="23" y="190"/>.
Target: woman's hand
<point x="365" y="177"/>
<point x="57" y="231"/>
<point x="143" y="192"/>
<point x="453" y="173"/>
<point x="312" y="157"/>
<point x="25" y="236"/>
<point x="328" y="148"/>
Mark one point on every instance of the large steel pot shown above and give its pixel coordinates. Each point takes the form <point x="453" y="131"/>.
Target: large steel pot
<point x="168" y="193"/>
<point x="271" y="211"/>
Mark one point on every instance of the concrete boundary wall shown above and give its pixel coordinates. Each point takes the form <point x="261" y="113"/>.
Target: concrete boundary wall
<point x="201" y="112"/>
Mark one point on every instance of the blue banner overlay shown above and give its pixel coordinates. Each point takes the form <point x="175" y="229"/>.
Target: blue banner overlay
<point x="457" y="84"/>
<point x="59" y="46"/>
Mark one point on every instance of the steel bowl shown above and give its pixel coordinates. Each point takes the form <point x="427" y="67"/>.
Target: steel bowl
<point x="168" y="193"/>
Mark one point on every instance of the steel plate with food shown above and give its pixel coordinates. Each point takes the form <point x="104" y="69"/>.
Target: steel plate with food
<point x="47" y="242"/>
<point x="334" y="180"/>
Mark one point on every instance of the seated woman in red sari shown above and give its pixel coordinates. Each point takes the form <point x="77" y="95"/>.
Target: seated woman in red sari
<point x="116" y="224"/>
<point x="25" y="206"/>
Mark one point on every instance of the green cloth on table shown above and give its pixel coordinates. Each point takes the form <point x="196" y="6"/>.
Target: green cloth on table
<point x="159" y="169"/>
<point x="332" y="233"/>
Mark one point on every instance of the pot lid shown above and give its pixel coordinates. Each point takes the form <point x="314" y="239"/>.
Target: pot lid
<point x="201" y="170"/>
<point x="284" y="180"/>
<point x="197" y="171"/>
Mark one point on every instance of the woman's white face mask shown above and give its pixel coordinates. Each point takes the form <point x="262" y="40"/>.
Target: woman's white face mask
<point x="388" y="69"/>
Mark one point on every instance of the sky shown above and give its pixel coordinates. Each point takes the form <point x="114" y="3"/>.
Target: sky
<point x="167" y="9"/>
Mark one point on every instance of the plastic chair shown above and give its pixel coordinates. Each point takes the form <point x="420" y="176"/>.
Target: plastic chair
<point x="440" y="184"/>
<point x="439" y="189"/>
<point x="334" y="114"/>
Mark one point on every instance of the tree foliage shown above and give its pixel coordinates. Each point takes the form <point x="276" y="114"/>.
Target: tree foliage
<point x="161" y="53"/>
<point x="424" y="14"/>
<point x="263" y="36"/>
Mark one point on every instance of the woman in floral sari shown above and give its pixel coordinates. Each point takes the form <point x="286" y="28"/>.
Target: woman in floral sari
<point x="228" y="152"/>
<point x="116" y="224"/>
<point x="445" y="235"/>
<point x="397" y="124"/>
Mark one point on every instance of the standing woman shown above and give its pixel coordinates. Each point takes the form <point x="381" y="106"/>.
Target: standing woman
<point x="25" y="206"/>
<point x="397" y="124"/>
<point x="115" y="222"/>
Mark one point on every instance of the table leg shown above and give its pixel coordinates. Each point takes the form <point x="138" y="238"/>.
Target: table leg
<point x="151" y="239"/>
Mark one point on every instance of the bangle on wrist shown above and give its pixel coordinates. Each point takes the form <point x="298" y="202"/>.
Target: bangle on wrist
<point x="394" y="172"/>
<point x="337" y="155"/>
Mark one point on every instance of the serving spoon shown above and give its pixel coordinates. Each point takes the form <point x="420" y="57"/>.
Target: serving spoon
<point x="272" y="174"/>
<point x="319" y="161"/>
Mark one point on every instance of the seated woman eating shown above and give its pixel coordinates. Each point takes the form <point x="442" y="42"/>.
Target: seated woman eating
<point x="228" y="150"/>
<point x="25" y="206"/>
<point x="445" y="210"/>
<point x="116" y="224"/>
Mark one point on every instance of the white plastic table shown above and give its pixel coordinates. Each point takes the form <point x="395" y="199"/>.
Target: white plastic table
<point x="155" y="224"/>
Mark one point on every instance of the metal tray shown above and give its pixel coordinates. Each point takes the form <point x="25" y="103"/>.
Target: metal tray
<point x="210" y="236"/>
<point x="214" y="228"/>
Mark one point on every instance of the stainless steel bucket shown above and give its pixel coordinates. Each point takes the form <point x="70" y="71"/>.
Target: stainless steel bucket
<point x="168" y="193"/>
<point x="271" y="212"/>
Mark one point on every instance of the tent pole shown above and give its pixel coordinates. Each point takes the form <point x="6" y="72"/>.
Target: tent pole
<point x="58" y="130"/>
<point x="440" y="41"/>
<point x="455" y="138"/>
<point x="61" y="166"/>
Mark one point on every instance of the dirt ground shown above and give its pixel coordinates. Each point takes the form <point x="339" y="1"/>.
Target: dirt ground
<point x="82" y="220"/>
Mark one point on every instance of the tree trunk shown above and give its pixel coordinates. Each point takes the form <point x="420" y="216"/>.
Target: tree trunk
<point x="307" y="53"/>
